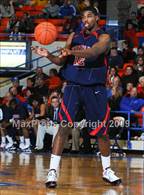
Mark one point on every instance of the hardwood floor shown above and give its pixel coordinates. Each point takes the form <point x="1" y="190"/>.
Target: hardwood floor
<point x="24" y="174"/>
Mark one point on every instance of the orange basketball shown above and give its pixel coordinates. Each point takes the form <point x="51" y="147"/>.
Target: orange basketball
<point x="45" y="33"/>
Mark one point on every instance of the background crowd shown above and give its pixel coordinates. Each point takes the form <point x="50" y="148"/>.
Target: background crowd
<point x="41" y="96"/>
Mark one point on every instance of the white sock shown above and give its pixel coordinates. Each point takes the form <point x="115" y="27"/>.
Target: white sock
<point x="105" y="161"/>
<point x="9" y="139"/>
<point x="21" y="139"/>
<point x="54" y="162"/>
<point x="3" y="138"/>
<point x="27" y="141"/>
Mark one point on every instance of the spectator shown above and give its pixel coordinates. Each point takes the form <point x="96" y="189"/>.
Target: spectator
<point x="132" y="102"/>
<point x="15" y="35"/>
<point x="116" y="94"/>
<point x="139" y="66"/>
<point x="141" y="19"/>
<point x="39" y="74"/>
<point x="133" y="19"/>
<point x="140" y="87"/>
<point x="127" y="52"/>
<point x="16" y="83"/>
<point x="29" y="90"/>
<point x="130" y="34"/>
<point x="129" y="87"/>
<point x="41" y="88"/>
<point x="13" y="21"/>
<point x="67" y="10"/>
<point x="51" y="10"/>
<point x="7" y="8"/>
<point x="130" y="76"/>
<point x="54" y="81"/>
<point x="115" y="60"/>
<point x="140" y="52"/>
<point x="26" y="24"/>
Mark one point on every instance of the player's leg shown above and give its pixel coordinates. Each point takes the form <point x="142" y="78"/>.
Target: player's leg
<point x="67" y="114"/>
<point x="98" y="113"/>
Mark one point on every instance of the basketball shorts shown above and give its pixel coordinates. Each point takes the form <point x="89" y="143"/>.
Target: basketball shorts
<point x="93" y="100"/>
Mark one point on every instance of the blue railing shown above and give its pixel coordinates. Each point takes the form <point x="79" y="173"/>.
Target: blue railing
<point x="130" y="127"/>
<point x="32" y="70"/>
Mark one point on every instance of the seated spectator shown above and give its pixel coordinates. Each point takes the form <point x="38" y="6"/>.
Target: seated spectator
<point x="116" y="94"/>
<point x="15" y="35"/>
<point x="133" y="19"/>
<point x="26" y="25"/>
<point x="51" y="10"/>
<point x="129" y="87"/>
<point x="41" y="89"/>
<point x="127" y="52"/>
<point x="141" y="19"/>
<point x="13" y="21"/>
<point x="29" y="90"/>
<point x="130" y="76"/>
<point x="115" y="60"/>
<point x="67" y="10"/>
<point x="130" y="34"/>
<point x="16" y="83"/>
<point x="139" y="66"/>
<point x="140" y="52"/>
<point x="140" y="87"/>
<point x="39" y="74"/>
<point x="111" y="76"/>
<point x="54" y="81"/>
<point x="51" y="123"/>
<point x="7" y="8"/>
<point x="132" y="102"/>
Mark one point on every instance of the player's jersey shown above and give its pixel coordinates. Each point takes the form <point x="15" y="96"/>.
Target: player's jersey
<point x="85" y="71"/>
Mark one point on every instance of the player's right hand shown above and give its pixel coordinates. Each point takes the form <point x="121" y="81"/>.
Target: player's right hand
<point x="40" y="51"/>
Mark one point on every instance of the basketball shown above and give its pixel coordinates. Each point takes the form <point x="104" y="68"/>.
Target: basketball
<point x="45" y="33"/>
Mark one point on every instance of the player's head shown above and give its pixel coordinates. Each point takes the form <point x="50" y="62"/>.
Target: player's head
<point x="90" y="17"/>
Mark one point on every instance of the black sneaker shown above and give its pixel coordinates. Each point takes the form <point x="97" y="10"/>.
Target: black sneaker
<point x="51" y="181"/>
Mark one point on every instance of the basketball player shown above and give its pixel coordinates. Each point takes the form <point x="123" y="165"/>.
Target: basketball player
<point x="85" y="70"/>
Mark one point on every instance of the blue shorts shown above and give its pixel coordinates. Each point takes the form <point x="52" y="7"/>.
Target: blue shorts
<point x="93" y="99"/>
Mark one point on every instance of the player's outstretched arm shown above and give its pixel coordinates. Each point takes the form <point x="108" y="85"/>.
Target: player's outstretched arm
<point x="98" y="48"/>
<point x="54" y="59"/>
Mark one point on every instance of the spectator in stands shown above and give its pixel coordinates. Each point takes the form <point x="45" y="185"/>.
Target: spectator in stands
<point x="15" y="35"/>
<point x="13" y="21"/>
<point x="67" y="10"/>
<point x="111" y="76"/>
<point x="26" y="24"/>
<point x="7" y="8"/>
<point x="16" y="83"/>
<point x="140" y="87"/>
<point x="41" y="89"/>
<point x="39" y="74"/>
<point x="132" y="102"/>
<point x="115" y="60"/>
<point x="129" y="87"/>
<point x="127" y="52"/>
<point x="130" y="34"/>
<point x="54" y="81"/>
<point x="140" y="52"/>
<point x="116" y="93"/>
<point x="133" y="19"/>
<point x="139" y="66"/>
<point x="141" y="19"/>
<point x="29" y="90"/>
<point x="51" y="123"/>
<point x="130" y="76"/>
<point x="51" y="10"/>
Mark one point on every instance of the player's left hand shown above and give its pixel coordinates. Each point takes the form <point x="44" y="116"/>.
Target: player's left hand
<point x="64" y="52"/>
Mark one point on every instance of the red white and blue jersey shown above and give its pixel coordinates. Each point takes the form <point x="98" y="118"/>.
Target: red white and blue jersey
<point x="85" y="71"/>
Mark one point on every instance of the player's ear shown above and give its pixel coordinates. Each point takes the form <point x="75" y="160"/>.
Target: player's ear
<point x="97" y="18"/>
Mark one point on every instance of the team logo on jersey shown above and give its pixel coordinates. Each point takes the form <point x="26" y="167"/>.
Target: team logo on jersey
<point x="78" y="60"/>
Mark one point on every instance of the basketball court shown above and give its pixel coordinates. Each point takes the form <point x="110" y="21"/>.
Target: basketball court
<point x="23" y="174"/>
